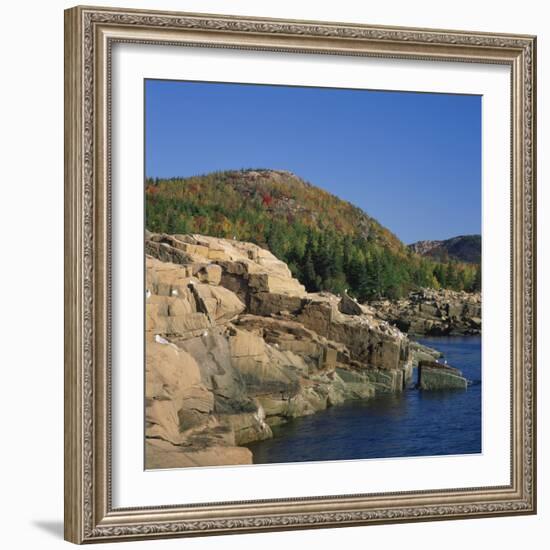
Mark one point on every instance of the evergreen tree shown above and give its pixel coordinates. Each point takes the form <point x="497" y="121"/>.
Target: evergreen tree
<point x="440" y="274"/>
<point x="372" y="285"/>
<point x="311" y="280"/>
<point x="356" y="273"/>
<point x="476" y="285"/>
<point x="451" y="276"/>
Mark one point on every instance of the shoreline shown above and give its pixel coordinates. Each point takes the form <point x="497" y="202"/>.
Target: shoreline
<point x="236" y="346"/>
<point x="285" y="434"/>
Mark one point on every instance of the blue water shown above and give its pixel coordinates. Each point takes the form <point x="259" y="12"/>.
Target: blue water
<point x="414" y="423"/>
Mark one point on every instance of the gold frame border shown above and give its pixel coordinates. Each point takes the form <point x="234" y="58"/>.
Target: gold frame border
<point x="89" y="34"/>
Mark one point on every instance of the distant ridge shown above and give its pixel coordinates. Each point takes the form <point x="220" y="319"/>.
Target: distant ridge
<point x="463" y="248"/>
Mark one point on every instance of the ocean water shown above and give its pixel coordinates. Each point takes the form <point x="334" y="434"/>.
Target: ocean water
<point x="414" y="423"/>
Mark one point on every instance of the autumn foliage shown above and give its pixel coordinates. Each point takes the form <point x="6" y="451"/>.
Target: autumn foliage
<point x="328" y="243"/>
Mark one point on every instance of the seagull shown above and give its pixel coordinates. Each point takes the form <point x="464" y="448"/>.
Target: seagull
<point x="148" y="293"/>
<point x="174" y="292"/>
<point x="205" y="333"/>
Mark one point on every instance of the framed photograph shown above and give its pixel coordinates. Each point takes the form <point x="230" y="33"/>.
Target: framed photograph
<point x="276" y="313"/>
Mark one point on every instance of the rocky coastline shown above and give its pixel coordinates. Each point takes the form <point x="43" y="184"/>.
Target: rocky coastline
<point x="429" y="312"/>
<point x="235" y="345"/>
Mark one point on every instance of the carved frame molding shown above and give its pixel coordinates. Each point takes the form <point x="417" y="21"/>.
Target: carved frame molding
<point x="89" y="35"/>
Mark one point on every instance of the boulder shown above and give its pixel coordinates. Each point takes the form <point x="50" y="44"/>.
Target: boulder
<point x="433" y="312"/>
<point x="275" y="284"/>
<point x="349" y="306"/>
<point x="267" y="303"/>
<point x="435" y="376"/>
<point x="219" y="304"/>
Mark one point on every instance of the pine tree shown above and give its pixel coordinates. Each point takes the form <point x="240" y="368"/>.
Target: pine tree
<point x="476" y="285"/>
<point x="441" y="275"/>
<point x="355" y="274"/>
<point x="311" y="280"/>
<point x="451" y="276"/>
<point x="372" y="285"/>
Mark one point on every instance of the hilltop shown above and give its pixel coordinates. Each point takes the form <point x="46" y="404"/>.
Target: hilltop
<point x="275" y="194"/>
<point x="464" y="248"/>
<point x="328" y="243"/>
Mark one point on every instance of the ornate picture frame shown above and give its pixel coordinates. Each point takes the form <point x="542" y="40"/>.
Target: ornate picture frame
<point x="90" y="34"/>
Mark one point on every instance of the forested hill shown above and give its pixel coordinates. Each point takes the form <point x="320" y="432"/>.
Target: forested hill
<point x="464" y="248"/>
<point x="328" y="243"/>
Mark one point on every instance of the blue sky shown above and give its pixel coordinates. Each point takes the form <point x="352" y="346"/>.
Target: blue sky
<point x="411" y="160"/>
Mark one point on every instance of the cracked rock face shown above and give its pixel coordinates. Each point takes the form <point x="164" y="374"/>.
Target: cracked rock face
<point x="173" y="384"/>
<point x="235" y="345"/>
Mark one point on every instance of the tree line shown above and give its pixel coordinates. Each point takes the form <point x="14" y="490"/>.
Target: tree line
<point x="319" y="256"/>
